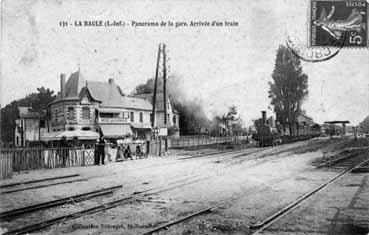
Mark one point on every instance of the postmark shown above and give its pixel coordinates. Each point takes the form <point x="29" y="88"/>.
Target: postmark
<point x="336" y="23"/>
<point x="312" y="54"/>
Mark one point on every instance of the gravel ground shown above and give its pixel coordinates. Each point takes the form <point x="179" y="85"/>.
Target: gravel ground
<point x="269" y="178"/>
<point x="341" y="209"/>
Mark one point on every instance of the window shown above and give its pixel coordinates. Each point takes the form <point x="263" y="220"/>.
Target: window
<point x="55" y="115"/>
<point x="132" y="116"/>
<point x="141" y="117"/>
<point x="42" y="123"/>
<point x="126" y="115"/>
<point x="174" y="119"/>
<point x="85" y="112"/>
<point x="109" y="115"/>
<point x="70" y="113"/>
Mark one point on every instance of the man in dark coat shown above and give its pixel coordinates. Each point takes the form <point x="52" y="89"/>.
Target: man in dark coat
<point x="96" y="153"/>
<point x="101" y="151"/>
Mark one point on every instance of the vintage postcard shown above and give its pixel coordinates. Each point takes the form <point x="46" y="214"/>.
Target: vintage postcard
<point x="184" y="117"/>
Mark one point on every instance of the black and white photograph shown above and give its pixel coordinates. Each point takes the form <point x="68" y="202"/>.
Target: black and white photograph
<point x="184" y="117"/>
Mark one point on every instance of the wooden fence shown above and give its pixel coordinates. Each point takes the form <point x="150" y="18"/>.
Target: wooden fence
<point x="6" y="167"/>
<point x="21" y="159"/>
<point x="188" y="141"/>
<point x="16" y="160"/>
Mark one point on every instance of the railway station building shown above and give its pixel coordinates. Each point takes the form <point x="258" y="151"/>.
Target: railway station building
<point x="86" y="109"/>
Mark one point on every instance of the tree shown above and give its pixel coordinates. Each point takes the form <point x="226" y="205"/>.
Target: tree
<point x="289" y="87"/>
<point x="148" y="87"/>
<point x="231" y="119"/>
<point x="38" y="101"/>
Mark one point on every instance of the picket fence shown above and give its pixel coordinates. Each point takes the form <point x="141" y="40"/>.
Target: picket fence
<point x="22" y="159"/>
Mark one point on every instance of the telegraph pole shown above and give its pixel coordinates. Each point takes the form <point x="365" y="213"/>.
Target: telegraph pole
<point x="155" y="87"/>
<point x="165" y="85"/>
<point x="165" y="95"/>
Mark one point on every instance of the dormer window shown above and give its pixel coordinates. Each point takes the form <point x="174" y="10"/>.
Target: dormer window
<point x="85" y="112"/>
<point x="85" y="101"/>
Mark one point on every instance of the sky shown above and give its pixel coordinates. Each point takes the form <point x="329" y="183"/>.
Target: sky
<point x="219" y="66"/>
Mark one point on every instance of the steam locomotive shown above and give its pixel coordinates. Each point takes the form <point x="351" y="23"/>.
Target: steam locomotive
<point x="267" y="134"/>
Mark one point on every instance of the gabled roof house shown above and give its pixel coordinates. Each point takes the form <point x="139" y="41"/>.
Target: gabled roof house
<point x="99" y="106"/>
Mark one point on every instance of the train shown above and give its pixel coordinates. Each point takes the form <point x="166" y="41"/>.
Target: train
<point x="269" y="134"/>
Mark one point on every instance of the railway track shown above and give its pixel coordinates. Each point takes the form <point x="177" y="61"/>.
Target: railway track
<point x="353" y="163"/>
<point x="105" y="206"/>
<point x="43" y="186"/>
<point x="12" y="214"/>
<point x="209" y="209"/>
<point x="349" y="164"/>
<point x="345" y="161"/>
<point x="134" y="196"/>
<point x="51" y="184"/>
<point x="37" y="181"/>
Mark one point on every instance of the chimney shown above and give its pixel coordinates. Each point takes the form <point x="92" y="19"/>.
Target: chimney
<point x="111" y="81"/>
<point x="263" y="117"/>
<point x="62" y="85"/>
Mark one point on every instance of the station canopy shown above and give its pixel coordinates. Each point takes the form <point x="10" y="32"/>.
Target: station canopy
<point x="141" y="125"/>
<point x="80" y="134"/>
<point x="116" y="131"/>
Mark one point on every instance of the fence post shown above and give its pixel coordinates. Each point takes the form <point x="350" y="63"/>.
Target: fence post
<point x="83" y="157"/>
<point x="20" y="159"/>
<point x="159" y="146"/>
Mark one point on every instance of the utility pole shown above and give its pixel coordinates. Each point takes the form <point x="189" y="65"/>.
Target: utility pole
<point x="165" y="94"/>
<point x="165" y="85"/>
<point x="155" y="88"/>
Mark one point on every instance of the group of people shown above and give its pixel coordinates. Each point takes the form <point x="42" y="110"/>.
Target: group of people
<point x="125" y="153"/>
<point x="122" y="153"/>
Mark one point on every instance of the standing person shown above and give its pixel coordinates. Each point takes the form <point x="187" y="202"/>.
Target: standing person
<point x="101" y="150"/>
<point x="138" y="151"/>
<point x="120" y="154"/>
<point x="64" y="150"/>
<point x="97" y="153"/>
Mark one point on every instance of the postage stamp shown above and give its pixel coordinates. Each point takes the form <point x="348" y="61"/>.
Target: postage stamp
<point x="338" y="23"/>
